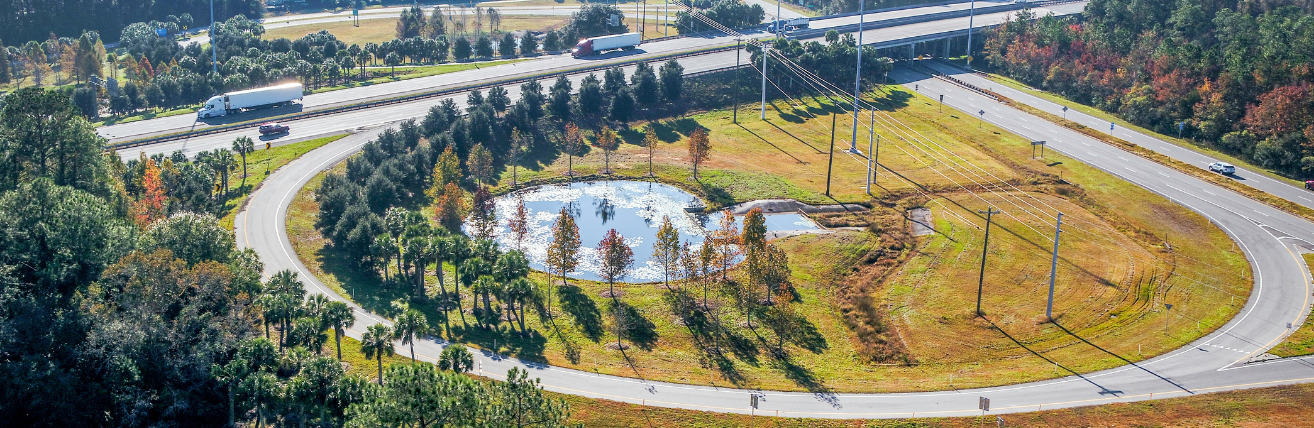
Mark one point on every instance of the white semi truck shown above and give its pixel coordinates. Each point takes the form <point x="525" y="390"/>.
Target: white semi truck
<point x="235" y="102"/>
<point x="597" y="45"/>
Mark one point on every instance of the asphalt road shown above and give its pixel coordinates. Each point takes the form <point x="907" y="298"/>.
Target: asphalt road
<point x="540" y="64"/>
<point x="1216" y="362"/>
<point x="310" y="127"/>
<point x="1283" y="189"/>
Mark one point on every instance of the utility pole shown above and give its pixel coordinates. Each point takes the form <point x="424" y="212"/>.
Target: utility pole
<point x="1053" y="269"/>
<point x="666" y="19"/>
<point x="971" y="16"/>
<point x="738" y="50"/>
<point x="778" y="18"/>
<point x="765" y="52"/>
<point x="872" y="163"/>
<point x="857" y="77"/>
<point x="980" y="282"/>
<point x="214" y="42"/>
<point x="830" y="162"/>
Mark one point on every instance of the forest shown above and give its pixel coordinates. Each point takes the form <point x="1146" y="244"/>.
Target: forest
<point x="124" y="303"/>
<point x="24" y="21"/>
<point x="1232" y="75"/>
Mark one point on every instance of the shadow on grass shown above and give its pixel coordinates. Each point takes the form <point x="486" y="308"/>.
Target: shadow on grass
<point x="582" y="309"/>
<point x="637" y="329"/>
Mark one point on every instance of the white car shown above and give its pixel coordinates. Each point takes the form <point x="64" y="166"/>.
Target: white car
<point x="1222" y="168"/>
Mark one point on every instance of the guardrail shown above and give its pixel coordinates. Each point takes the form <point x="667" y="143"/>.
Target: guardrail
<point x="915" y="65"/>
<point x="894" y="22"/>
<point x="409" y="98"/>
<point x="795" y="35"/>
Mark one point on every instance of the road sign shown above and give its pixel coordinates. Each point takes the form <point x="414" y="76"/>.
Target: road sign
<point x="753" y="400"/>
<point x="942" y="98"/>
<point x="1110" y="126"/>
<point x="983" y="404"/>
<point x="355" y="12"/>
<point x="999" y="420"/>
<point x="982" y="112"/>
<point x="1037" y="143"/>
<point x="969" y="58"/>
<point x="268" y="145"/>
<point x="1168" y="306"/>
<point x="161" y="32"/>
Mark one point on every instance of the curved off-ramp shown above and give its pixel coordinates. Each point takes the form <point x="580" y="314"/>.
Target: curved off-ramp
<point x="1218" y="361"/>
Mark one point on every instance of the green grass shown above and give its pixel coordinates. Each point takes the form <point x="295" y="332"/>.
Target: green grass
<point x="259" y="165"/>
<point x="1108" y="298"/>
<point x="1300" y="342"/>
<point x="146" y="115"/>
<point x="405" y="73"/>
<point x="1184" y="143"/>
<point x="1278" y="406"/>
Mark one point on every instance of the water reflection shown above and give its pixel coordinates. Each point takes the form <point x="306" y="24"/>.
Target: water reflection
<point x="635" y="209"/>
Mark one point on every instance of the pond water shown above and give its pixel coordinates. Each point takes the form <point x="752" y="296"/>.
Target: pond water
<point x="635" y="209"/>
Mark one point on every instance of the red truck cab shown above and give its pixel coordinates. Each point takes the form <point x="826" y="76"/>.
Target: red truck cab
<point x="583" y="48"/>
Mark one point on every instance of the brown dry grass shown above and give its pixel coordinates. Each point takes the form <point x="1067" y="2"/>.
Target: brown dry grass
<point x="384" y="29"/>
<point x="930" y="300"/>
<point x="1281" y="406"/>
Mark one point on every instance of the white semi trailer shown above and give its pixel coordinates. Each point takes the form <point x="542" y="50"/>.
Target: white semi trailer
<point x="235" y="102"/>
<point x="597" y="45"/>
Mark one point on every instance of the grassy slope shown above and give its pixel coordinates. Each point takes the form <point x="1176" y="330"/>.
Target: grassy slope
<point x="1280" y="406"/>
<point x="1300" y="342"/>
<point x="259" y="165"/>
<point x="384" y="29"/>
<point x="1185" y="143"/>
<point x="760" y="160"/>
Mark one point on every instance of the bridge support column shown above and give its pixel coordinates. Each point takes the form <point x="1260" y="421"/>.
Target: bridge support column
<point x="912" y="51"/>
<point x="947" y="41"/>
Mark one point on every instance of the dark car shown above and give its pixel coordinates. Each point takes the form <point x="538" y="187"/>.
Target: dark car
<point x="273" y="128"/>
<point x="1309" y="185"/>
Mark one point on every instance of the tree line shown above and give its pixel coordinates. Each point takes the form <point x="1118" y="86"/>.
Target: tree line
<point x="35" y="20"/>
<point x="110" y="320"/>
<point x="1232" y="75"/>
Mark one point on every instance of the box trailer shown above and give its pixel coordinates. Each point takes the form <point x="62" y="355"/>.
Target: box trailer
<point x="235" y="102"/>
<point x="597" y="45"/>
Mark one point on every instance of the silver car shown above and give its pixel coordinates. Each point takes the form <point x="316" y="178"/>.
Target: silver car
<point x="1222" y="168"/>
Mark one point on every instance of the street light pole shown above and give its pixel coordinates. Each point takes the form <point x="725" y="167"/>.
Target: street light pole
<point x="738" y="49"/>
<point x="214" y="42"/>
<point x="830" y="162"/>
<point x="765" y="52"/>
<point x="980" y="282"/>
<point x="1053" y="269"/>
<point x="971" y="16"/>
<point x="857" y="77"/>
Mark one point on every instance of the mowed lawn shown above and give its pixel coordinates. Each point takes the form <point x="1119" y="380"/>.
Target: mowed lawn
<point x="1124" y="253"/>
<point x="380" y="30"/>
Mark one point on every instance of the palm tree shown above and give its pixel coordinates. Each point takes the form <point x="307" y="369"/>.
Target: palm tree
<point x="243" y="145"/>
<point x="376" y="341"/>
<point x="262" y="387"/>
<point x="410" y="326"/>
<point x="440" y="246"/>
<point x="229" y="375"/>
<point x="223" y="161"/>
<point x="338" y="316"/>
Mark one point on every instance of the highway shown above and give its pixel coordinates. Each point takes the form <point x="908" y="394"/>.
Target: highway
<point x="1268" y="237"/>
<point x="316" y="126"/>
<point x="1270" y="185"/>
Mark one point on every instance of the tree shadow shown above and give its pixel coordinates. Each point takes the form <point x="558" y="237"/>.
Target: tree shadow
<point x="637" y="329"/>
<point x="582" y="309"/>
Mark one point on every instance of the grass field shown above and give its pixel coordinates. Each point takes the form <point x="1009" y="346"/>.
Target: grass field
<point x="380" y="30"/>
<point x="1280" y="406"/>
<point x="1107" y="299"/>
<point x="1186" y="143"/>
<point x="1300" y="342"/>
<point x="259" y="164"/>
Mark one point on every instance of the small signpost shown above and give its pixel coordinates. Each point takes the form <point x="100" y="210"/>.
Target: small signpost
<point x="1033" y="149"/>
<point x="999" y="420"/>
<point x="355" y="17"/>
<point x="981" y="123"/>
<point x="1065" y="112"/>
<point x="1110" y="126"/>
<point x="1168" y="309"/>
<point x="941" y="103"/>
<point x="983" y="404"/>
